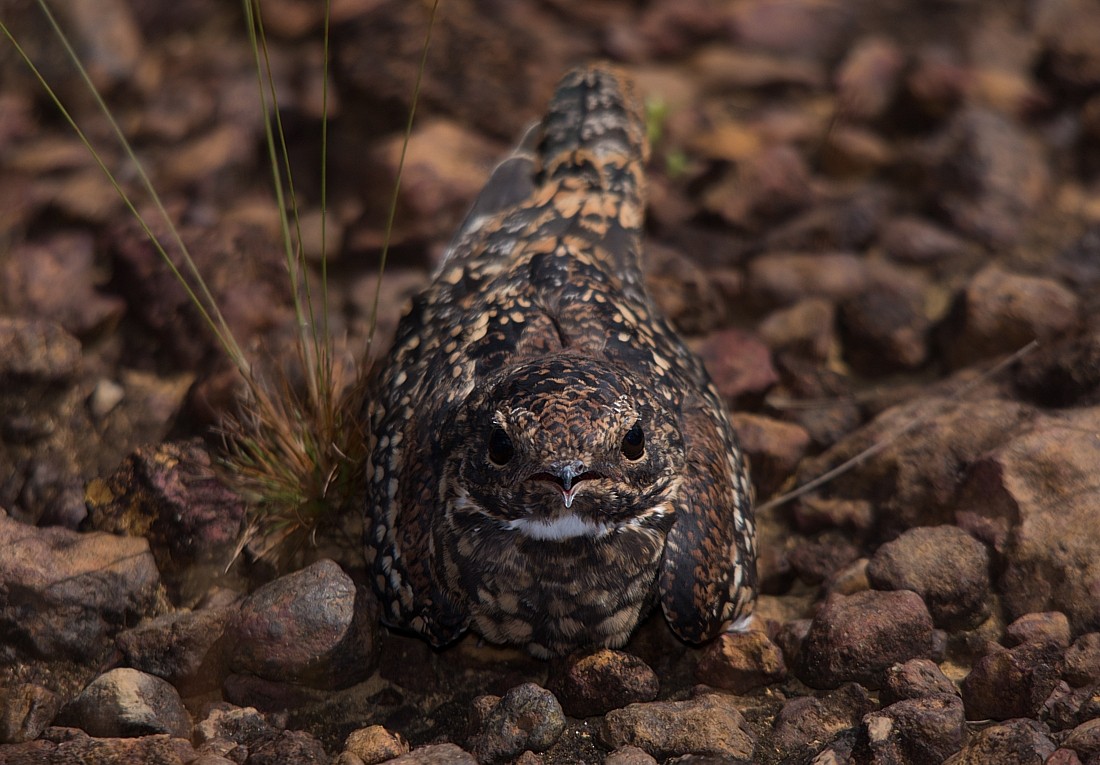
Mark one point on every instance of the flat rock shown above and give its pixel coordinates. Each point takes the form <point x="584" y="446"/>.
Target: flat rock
<point x="75" y="746"/>
<point x="946" y="566"/>
<point x="858" y="637"/>
<point x="594" y="683"/>
<point x="526" y="718"/>
<point x="709" y="724"/>
<point x="25" y="711"/>
<point x="1015" y="742"/>
<point x="1030" y="499"/>
<point x="915" y="679"/>
<point x="313" y="627"/>
<point x="185" y="648"/>
<point x="66" y="594"/>
<point x="1011" y="683"/>
<point x="741" y="662"/>
<point x="126" y="703"/>
<point x="927" y="729"/>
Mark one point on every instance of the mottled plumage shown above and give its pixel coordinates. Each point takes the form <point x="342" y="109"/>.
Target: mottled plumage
<point x="548" y="457"/>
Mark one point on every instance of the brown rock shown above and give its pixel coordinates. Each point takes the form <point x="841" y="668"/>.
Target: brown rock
<point x="739" y="364"/>
<point x="686" y="293"/>
<point x="1048" y="627"/>
<point x="999" y="312"/>
<point x="287" y="746"/>
<point x="707" y="724"/>
<point x="868" y="78"/>
<point x="125" y="703"/>
<point x="915" y="679"/>
<point x="185" y="648"/>
<point x="1084" y="740"/>
<point x="908" y="239"/>
<point x="594" y="683"/>
<point x="375" y="744"/>
<point x="1063" y="372"/>
<point x="774" y="449"/>
<point x="77" y="747"/>
<point x="170" y="494"/>
<point x="785" y="278"/>
<point x="845" y="225"/>
<point x="67" y="594"/>
<point x="239" y="726"/>
<point x="807" y="328"/>
<point x="801" y="27"/>
<point x="741" y="662"/>
<point x="857" y="638"/>
<point x="629" y="755"/>
<point x="435" y="754"/>
<point x="816" y="560"/>
<point x="1030" y="499"/>
<point x="1082" y="660"/>
<point x="916" y="477"/>
<point x="986" y="174"/>
<point x="946" y="566"/>
<point x="884" y="329"/>
<point x="927" y="729"/>
<point x="1079" y="264"/>
<point x="1070" y="33"/>
<point x="1063" y="757"/>
<point x="1015" y="742"/>
<point x="25" y="711"/>
<point x="1060" y="709"/>
<point x="772" y="184"/>
<point x="1011" y="683"/>
<point x="313" y="626"/>
<point x="806" y="723"/>
<point x="526" y="718"/>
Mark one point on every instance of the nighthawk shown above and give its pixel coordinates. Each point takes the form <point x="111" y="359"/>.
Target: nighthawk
<point x="549" y="460"/>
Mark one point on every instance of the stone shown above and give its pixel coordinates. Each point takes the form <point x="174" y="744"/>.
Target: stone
<point x="375" y="744"/>
<point x="289" y="746"/>
<point x="1084" y="740"/>
<point x="915" y="679"/>
<point x="65" y="595"/>
<point x="74" y="746"/>
<point x="740" y="364"/>
<point x="947" y="567"/>
<point x="986" y="174"/>
<point x="858" y="637"/>
<point x="629" y="755"/>
<point x="806" y="328"/>
<point x="525" y="718"/>
<point x="1029" y="499"/>
<point x="25" y="711"/>
<point x="435" y="754"/>
<point x="709" y="724"/>
<point x="186" y="648"/>
<point x="313" y="627"/>
<point x="1048" y="627"/>
<point x="774" y="448"/>
<point x="815" y="560"/>
<point x="594" y="683"/>
<point x="126" y="703"/>
<point x="909" y="239"/>
<point x="806" y="723"/>
<point x="1082" y="661"/>
<point x="1000" y="312"/>
<point x="741" y="662"/>
<point x="1063" y="372"/>
<point x="239" y="726"/>
<point x="780" y="278"/>
<point x="170" y="494"/>
<point x="769" y="185"/>
<point x="1015" y="742"/>
<point x="927" y="729"/>
<point x="868" y="78"/>
<point x="884" y="329"/>
<point x="1011" y="683"/>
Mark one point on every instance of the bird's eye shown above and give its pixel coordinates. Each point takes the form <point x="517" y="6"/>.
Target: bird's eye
<point x="500" y="447"/>
<point x="634" y="443"/>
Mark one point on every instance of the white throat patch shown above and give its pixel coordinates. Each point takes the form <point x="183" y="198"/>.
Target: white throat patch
<point x="566" y="527"/>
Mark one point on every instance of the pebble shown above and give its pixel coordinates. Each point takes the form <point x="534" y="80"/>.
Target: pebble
<point x="25" y="711"/>
<point x="884" y="329"/>
<point x="741" y="364"/>
<point x="313" y="627"/>
<point x="806" y="723"/>
<point x="806" y="328"/>
<point x="779" y="278"/>
<point x="1082" y="660"/>
<point x="774" y="448"/>
<point x="1011" y="683"/>
<point x="375" y="744"/>
<point x="594" y="683"/>
<point x="525" y="718"/>
<point x="1047" y="627"/>
<point x="946" y="566"/>
<point x="926" y="729"/>
<point x="126" y="703"/>
<point x="915" y="679"/>
<point x="858" y="637"/>
<point x="741" y="662"/>
<point x="709" y="724"/>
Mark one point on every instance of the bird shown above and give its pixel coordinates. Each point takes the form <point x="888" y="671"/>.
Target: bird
<point x="549" y="461"/>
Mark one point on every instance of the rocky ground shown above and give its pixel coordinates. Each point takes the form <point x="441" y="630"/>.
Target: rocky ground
<point x="857" y="209"/>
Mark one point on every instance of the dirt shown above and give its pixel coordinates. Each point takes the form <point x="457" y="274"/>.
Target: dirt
<point x="856" y="209"/>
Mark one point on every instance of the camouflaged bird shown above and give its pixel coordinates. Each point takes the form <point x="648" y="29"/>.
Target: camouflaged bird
<point x="548" y="457"/>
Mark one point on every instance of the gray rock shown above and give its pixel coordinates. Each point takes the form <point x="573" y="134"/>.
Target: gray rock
<point x="946" y="566"/>
<point x="709" y="724"/>
<point x="313" y="627"/>
<point x="289" y="747"/>
<point x="126" y="703"/>
<point x="435" y="754"/>
<point x="858" y="637"/>
<point x="594" y="683"/>
<point x="65" y="594"/>
<point x="525" y="718"/>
